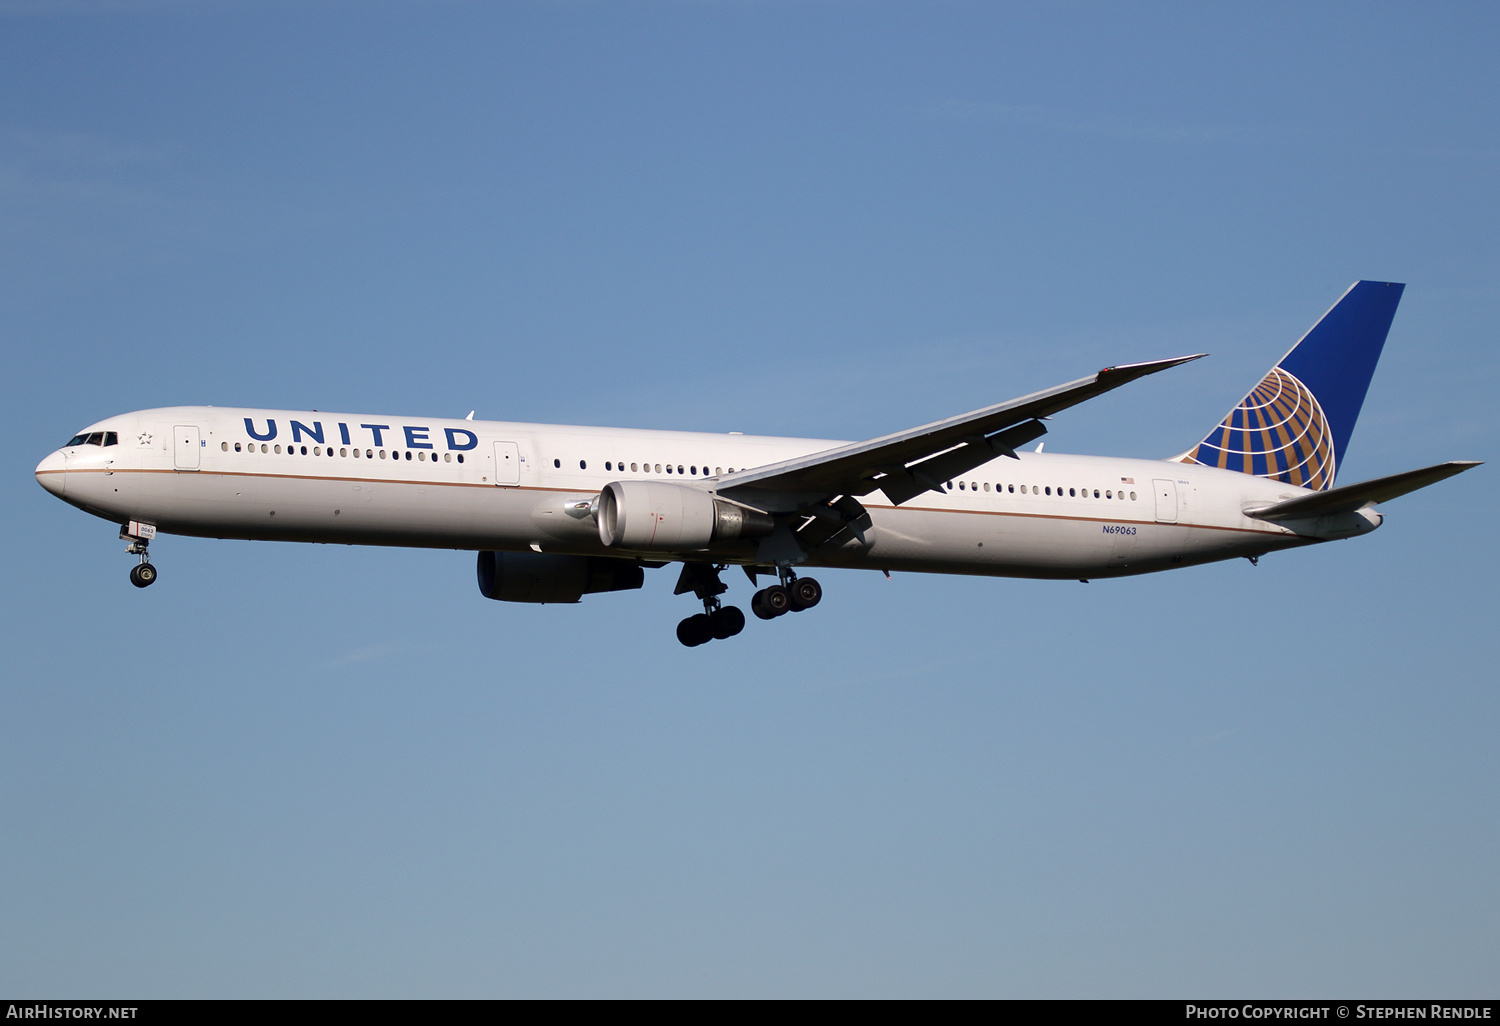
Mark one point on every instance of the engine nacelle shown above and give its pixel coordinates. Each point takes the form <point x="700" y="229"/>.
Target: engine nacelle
<point x="655" y="515"/>
<point x="543" y="577"/>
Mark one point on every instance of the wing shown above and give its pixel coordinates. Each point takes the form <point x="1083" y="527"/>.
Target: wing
<point x="908" y="463"/>
<point x="1348" y="498"/>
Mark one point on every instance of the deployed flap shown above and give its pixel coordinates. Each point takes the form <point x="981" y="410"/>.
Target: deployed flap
<point x="1348" y="498"/>
<point x="908" y="463"/>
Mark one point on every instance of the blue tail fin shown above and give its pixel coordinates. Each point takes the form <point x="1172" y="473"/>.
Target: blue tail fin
<point x="1295" y="425"/>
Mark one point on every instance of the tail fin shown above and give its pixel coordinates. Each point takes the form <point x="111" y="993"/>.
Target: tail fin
<point x="1295" y="425"/>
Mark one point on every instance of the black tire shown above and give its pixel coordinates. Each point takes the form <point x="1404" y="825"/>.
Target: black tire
<point x="143" y="575"/>
<point x="694" y="631"/>
<point x="775" y="600"/>
<point x="757" y="606"/>
<point x="727" y="622"/>
<point x="805" y="593"/>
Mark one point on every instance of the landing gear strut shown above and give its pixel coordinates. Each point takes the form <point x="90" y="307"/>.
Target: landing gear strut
<point x="792" y="595"/>
<point x="717" y="621"/>
<point x="143" y="574"/>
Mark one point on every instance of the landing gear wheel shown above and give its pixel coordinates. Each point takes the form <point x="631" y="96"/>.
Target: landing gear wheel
<point x="771" y="602"/>
<point x="143" y="575"/>
<point x="695" y="630"/>
<point x="726" y="622"/>
<point x="804" y="594"/>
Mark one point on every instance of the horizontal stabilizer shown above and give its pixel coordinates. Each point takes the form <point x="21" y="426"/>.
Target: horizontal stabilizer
<point x="1348" y="498"/>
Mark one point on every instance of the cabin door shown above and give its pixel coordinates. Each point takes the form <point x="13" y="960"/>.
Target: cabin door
<point x="507" y="463"/>
<point x="1166" y="501"/>
<point x="186" y="446"/>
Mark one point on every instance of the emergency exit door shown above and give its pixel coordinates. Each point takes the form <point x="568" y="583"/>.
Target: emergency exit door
<point x="1166" y="501"/>
<point x="507" y="463"/>
<point x="186" y="446"/>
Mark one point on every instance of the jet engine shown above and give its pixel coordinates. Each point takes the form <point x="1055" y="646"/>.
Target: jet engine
<point x="543" y="577"/>
<point x="655" y="515"/>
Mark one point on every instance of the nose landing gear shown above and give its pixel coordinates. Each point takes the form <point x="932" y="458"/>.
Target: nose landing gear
<point x="143" y="574"/>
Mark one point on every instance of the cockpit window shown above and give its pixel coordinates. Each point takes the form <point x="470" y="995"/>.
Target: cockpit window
<point x="95" y="438"/>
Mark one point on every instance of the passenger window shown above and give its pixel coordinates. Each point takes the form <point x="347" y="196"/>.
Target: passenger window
<point x="557" y="464"/>
<point x="1072" y="493"/>
<point x="719" y="471"/>
<point x="632" y="468"/>
<point x="408" y="455"/>
<point x="1132" y="496"/>
<point x="447" y="457"/>
<point x="1108" y="494"/>
<point x="343" y="452"/>
<point x="607" y="465"/>
<point x="460" y="457"/>
<point x="583" y="465"/>
<point x="1096" y="493"/>
<point x="382" y="454"/>
<point x="986" y="486"/>
<point x="1049" y="489"/>
<point x="658" y="468"/>
<point x="224" y="446"/>
<point x="278" y="450"/>
<point x="693" y="470"/>
<point x="669" y="468"/>
<point x="1012" y="488"/>
<point x="421" y="457"/>
<point x="317" y="451"/>
<point x="960" y="486"/>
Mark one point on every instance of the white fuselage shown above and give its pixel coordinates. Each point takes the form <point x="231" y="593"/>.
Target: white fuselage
<point x="491" y="485"/>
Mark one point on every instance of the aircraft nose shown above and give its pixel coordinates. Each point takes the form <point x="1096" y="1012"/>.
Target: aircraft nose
<point x="49" y="473"/>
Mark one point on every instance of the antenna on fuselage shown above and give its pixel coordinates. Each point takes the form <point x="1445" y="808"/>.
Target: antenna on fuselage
<point x="470" y="416"/>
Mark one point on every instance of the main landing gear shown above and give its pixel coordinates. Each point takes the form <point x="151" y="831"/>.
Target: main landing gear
<point x="143" y="574"/>
<point x="717" y="621"/>
<point x="792" y="595"/>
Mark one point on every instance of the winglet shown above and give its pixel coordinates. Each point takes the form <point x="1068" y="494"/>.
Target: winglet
<point x="1139" y="370"/>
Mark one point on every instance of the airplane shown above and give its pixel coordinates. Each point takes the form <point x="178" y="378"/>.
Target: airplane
<point x="559" y="512"/>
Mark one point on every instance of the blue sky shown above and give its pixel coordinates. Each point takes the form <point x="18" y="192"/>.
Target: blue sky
<point x="322" y="771"/>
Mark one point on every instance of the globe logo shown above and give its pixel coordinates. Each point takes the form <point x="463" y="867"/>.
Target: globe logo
<point x="1278" y="431"/>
